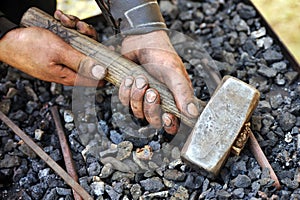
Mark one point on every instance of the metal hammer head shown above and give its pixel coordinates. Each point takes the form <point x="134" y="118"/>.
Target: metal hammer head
<point x="219" y="125"/>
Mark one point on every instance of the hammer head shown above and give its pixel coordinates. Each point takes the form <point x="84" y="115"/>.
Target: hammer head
<point x="219" y="125"/>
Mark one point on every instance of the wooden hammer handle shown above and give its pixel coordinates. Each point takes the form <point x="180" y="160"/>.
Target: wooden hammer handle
<point x="118" y="66"/>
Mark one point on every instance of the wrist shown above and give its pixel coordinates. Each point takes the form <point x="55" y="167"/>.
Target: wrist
<point x="157" y="42"/>
<point x="156" y="39"/>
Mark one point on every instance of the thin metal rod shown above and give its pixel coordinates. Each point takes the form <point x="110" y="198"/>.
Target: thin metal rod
<point x="261" y="159"/>
<point x="39" y="151"/>
<point x="65" y="149"/>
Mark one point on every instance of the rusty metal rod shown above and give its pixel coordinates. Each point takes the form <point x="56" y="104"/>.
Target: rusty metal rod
<point x="261" y="159"/>
<point x="39" y="151"/>
<point x="65" y="149"/>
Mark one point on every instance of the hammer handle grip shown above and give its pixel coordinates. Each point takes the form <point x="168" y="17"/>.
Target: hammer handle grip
<point x="118" y="67"/>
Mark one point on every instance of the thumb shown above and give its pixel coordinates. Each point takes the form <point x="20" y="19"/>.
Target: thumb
<point x="184" y="97"/>
<point x="90" y="68"/>
<point x="80" y="63"/>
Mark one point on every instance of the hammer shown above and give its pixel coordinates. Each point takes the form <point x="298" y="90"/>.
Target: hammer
<point x="220" y="124"/>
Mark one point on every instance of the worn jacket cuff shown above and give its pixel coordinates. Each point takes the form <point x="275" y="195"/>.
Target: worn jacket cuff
<point x="137" y="16"/>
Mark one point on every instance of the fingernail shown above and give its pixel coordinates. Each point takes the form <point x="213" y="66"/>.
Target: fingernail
<point x="167" y="120"/>
<point x="98" y="72"/>
<point x="151" y="96"/>
<point x="80" y="25"/>
<point x="192" y="109"/>
<point x="128" y="82"/>
<point x="140" y="83"/>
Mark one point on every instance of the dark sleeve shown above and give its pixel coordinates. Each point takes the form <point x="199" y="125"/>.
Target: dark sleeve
<point x="136" y="16"/>
<point x="5" y="25"/>
<point x="14" y="9"/>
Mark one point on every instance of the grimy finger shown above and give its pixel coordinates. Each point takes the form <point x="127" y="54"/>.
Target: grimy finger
<point x="80" y="63"/>
<point x="183" y="93"/>
<point x="138" y="90"/>
<point x="86" y="29"/>
<point x="125" y="90"/>
<point x="90" y="68"/>
<point x="66" y="76"/>
<point x="170" y="123"/>
<point x="152" y="108"/>
<point x="68" y="21"/>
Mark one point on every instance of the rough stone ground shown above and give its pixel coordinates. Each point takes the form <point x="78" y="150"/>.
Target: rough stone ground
<point x="232" y="33"/>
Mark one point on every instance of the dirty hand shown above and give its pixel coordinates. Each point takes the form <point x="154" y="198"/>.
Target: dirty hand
<point x="156" y="53"/>
<point x="71" y="21"/>
<point x="41" y="54"/>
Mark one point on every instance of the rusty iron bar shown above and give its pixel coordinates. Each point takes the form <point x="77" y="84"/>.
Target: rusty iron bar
<point x="67" y="154"/>
<point x="261" y="159"/>
<point x="44" y="156"/>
